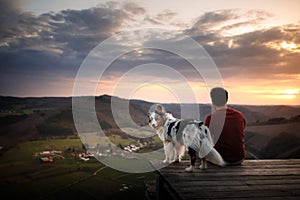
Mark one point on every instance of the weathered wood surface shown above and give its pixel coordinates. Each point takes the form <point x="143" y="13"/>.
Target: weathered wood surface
<point x="254" y="179"/>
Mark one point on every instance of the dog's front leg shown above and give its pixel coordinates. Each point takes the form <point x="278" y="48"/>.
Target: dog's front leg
<point x="169" y="152"/>
<point x="175" y="158"/>
<point x="203" y="163"/>
<point x="179" y="153"/>
<point x="166" y="151"/>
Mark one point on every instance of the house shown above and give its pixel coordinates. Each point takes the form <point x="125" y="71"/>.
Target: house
<point x="83" y="158"/>
<point x="45" y="153"/>
<point x="46" y="159"/>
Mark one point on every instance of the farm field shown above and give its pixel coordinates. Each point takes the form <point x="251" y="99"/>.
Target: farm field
<point x="23" y="176"/>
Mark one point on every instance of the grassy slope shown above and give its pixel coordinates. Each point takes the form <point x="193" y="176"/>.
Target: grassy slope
<point x="274" y="141"/>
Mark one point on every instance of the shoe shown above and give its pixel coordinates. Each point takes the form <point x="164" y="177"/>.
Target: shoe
<point x="189" y="169"/>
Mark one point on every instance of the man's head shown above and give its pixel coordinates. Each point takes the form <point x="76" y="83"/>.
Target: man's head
<point x="160" y="109"/>
<point x="219" y="96"/>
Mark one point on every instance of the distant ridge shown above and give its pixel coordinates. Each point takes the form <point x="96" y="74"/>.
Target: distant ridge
<point x="253" y="113"/>
<point x="32" y="118"/>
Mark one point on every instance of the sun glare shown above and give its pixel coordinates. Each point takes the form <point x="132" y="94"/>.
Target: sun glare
<point x="276" y="96"/>
<point x="289" y="94"/>
<point x="292" y="91"/>
<point x="288" y="46"/>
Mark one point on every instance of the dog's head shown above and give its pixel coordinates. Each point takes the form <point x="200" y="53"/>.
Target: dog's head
<point x="156" y="120"/>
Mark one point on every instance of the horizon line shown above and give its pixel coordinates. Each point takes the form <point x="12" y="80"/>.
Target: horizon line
<point x="204" y="103"/>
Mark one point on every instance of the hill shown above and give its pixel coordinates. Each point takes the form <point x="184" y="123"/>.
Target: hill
<point x="23" y="119"/>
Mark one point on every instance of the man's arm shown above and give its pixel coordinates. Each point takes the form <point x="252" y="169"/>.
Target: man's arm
<point x="207" y="120"/>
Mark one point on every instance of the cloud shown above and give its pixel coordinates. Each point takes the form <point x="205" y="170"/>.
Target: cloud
<point x="259" y="53"/>
<point x="10" y="7"/>
<point x="53" y="45"/>
<point x="250" y="49"/>
<point x="134" y="8"/>
<point x="68" y="31"/>
<point x="165" y="18"/>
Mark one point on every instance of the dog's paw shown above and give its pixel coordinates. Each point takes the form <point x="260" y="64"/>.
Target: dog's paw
<point x="168" y="161"/>
<point x="203" y="166"/>
<point x="189" y="169"/>
<point x="177" y="161"/>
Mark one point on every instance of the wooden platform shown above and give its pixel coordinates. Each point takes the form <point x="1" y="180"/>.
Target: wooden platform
<point x="254" y="179"/>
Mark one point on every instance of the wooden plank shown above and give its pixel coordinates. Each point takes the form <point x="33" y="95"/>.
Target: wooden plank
<point x="259" y="161"/>
<point x="266" y="166"/>
<point x="241" y="178"/>
<point x="180" y="168"/>
<point x="285" y="172"/>
<point x="249" y="163"/>
<point x="242" y="187"/>
<point x="228" y="182"/>
<point x="255" y="179"/>
<point x="164" y="190"/>
<point x="238" y="190"/>
<point x="238" y="195"/>
<point x="263" y="198"/>
<point x="246" y="165"/>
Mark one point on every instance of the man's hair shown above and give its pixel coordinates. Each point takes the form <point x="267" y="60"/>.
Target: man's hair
<point x="219" y="96"/>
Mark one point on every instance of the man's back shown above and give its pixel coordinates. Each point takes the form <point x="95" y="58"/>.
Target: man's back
<point x="231" y="143"/>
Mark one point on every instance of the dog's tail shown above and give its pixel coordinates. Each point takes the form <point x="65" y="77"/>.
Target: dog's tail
<point x="215" y="158"/>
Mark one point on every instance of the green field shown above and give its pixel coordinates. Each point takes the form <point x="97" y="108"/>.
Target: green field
<point x="23" y="176"/>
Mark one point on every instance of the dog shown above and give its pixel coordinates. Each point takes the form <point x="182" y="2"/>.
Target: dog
<point x="180" y="135"/>
<point x="162" y="123"/>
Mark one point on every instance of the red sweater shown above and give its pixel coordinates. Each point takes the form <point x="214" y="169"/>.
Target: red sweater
<point x="231" y="143"/>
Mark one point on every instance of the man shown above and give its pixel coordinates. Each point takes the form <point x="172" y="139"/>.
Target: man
<point x="229" y="124"/>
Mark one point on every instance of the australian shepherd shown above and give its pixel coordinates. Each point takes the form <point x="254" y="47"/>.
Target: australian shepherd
<point x="180" y="135"/>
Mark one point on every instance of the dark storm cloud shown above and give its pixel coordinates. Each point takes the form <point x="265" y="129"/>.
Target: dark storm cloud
<point x="8" y="6"/>
<point x="133" y="59"/>
<point x="14" y="23"/>
<point x="83" y="30"/>
<point x="53" y="44"/>
<point x="71" y="31"/>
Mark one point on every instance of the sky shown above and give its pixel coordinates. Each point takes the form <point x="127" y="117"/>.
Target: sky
<point x="52" y="48"/>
